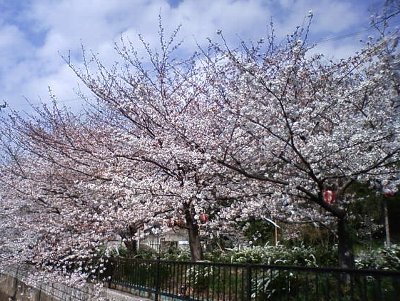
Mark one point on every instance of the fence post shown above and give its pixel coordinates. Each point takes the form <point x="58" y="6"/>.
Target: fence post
<point x="110" y="269"/>
<point x="248" y="269"/>
<point x="157" y="284"/>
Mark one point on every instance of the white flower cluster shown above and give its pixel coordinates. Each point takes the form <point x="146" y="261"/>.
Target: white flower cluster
<point x="200" y="145"/>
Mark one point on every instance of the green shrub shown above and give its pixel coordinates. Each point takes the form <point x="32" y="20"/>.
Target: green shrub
<point x="146" y="252"/>
<point x="387" y="258"/>
<point x="200" y="276"/>
<point x="277" y="255"/>
<point x="175" y="255"/>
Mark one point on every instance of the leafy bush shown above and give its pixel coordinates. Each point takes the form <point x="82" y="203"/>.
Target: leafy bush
<point x="387" y="258"/>
<point x="175" y="255"/>
<point x="201" y="276"/>
<point x="277" y="255"/>
<point x="275" y="283"/>
<point x="145" y="252"/>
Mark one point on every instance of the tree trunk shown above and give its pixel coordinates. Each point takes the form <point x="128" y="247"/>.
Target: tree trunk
<point x="130" y="242"/>
<point x="131" y="246"/>
<point x="196" y="251"/>
<point x="345" y="247"/>
<point x="386" y="222"/>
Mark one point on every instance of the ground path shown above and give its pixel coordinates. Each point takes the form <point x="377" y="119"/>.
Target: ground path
<point x="121" y="296"/>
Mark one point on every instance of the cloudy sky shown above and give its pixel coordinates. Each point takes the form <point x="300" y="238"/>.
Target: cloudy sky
<point x="35" y="33"/>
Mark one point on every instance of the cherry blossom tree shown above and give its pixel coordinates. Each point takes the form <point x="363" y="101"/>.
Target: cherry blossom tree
<point x="57" y="167"/>
<point x="265" y="130"/>
<point x="157" y="103"/>
<point x="305" y="125"/>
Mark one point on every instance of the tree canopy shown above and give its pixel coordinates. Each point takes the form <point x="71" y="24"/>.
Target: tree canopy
<point x="261" y="130"/>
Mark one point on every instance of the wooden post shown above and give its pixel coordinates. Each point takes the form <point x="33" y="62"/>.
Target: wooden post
<point x="386" y="222"/>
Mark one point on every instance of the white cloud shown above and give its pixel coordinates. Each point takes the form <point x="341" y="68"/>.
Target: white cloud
<point x="328" y="16"/>
<point x="28" y="65"/>
<point x="201" y="19"/>
<point x="335" y="16"/>
<point x="13" y="46"/>
<point x="334" y="50"/>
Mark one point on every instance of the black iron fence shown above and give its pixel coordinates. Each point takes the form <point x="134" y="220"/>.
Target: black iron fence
<point x="195" y="281"/>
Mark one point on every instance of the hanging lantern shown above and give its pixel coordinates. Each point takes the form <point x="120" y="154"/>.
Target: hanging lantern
<point x="170" y="223"/>
<point x="203" y="218"/>
<point x="388" y="192"/>
<point x="180" y="222"/>
<point x="329" y="196"/>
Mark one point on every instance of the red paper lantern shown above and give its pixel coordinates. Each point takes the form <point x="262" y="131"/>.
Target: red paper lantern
<point x="180" y="222"/>
<point x="170" y="223"/>
<point x="388" y="192"/>
<point x="203" y="218"/>
<point x="329" y="197"/>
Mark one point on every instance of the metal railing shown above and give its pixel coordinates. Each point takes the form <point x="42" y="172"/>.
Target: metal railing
<point x="198" y="281"/>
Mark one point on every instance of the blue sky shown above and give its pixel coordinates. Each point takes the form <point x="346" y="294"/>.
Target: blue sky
<point x="34" y="33"/>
